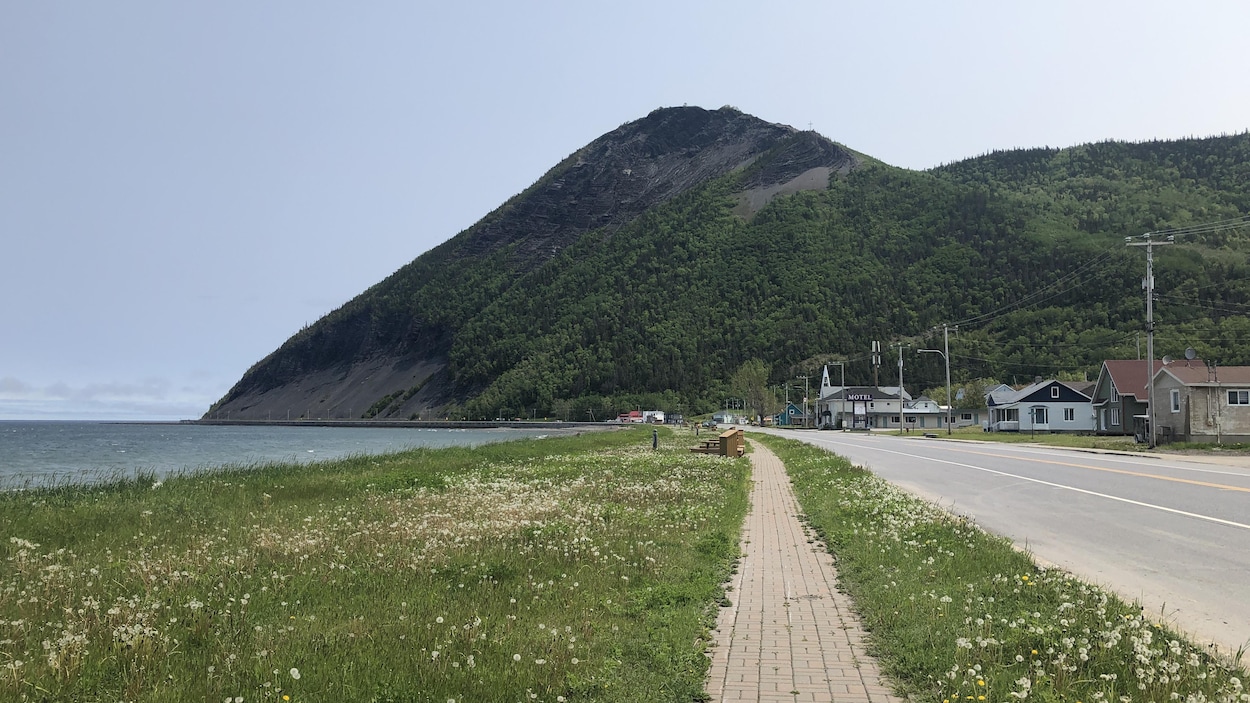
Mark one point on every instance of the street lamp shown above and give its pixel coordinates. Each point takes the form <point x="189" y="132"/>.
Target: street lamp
<point x="950" y="402"/>
<point x="805" y="391"/>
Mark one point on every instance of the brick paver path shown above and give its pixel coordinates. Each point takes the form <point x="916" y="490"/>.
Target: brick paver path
<point x="789" y="635"/>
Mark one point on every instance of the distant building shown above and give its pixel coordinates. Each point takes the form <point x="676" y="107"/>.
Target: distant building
<point x="791" y="416"/>
<point x="876" y="407"/>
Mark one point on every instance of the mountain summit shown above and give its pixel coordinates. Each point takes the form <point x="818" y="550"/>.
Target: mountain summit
<point x="389" y="351"/>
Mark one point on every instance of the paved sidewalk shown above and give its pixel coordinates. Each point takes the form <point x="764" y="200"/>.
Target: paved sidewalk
<point x="789" y="635"/>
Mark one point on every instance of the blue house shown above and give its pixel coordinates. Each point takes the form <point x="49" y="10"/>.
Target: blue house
<point x="792" y="416"/>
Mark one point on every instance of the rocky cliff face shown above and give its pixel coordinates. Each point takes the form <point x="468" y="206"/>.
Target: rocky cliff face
<point x="620" y="175"/>
<point x="384" y="352"/>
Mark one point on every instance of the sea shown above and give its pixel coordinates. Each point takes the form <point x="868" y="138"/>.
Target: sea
<point x="45" y="453"/>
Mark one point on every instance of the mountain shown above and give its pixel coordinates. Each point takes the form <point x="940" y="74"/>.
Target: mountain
<point x="388" y="349"/>
<point x="649" y="266"/>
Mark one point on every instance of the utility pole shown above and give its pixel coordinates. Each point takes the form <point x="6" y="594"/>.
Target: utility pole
<point x="876" y="362"/>
<point x="804" y="399"/>
<point x="900" y="387"/>
<point x="1149" y="284"/>
<point x="946" y="356"/>
<point x="950" y="402"/>
<point x="841" y="403"/>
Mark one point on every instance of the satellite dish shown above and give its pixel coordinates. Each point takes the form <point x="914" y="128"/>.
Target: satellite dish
<point x="1190" y="353"/>
<point x="1167" y="360"/>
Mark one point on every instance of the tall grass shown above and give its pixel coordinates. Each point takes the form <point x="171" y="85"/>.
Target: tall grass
<point x="956" y="614"/>
<point x="564" y="569"/>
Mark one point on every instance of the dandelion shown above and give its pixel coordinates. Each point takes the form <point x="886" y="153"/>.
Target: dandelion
<point x="295" y="673"/>
<point x="516" y="657"/>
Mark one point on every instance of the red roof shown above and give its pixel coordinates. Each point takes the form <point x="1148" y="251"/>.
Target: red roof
<point x="1196" y="374"/>
<point x="1129" y="376"/>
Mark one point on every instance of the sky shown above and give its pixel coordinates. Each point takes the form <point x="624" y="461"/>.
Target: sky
<point x="185" y="185"/>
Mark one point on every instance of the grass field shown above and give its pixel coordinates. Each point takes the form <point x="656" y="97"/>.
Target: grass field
<point x="570" y="569"/>
<point x="1058" y="440"/>
<point x="956" y="614"/>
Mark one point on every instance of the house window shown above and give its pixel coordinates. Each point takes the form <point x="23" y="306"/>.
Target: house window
<point x="1069" y="414"/>
<point x="1239" y="397"/>
<point x="1041" y="416"/>
<point x="1115" y="394"/>
<point x="965" y="416"/>
<point x="1176" y="400"/>
<point x="1115" y="417"/>
<point x="1054" y="391"/>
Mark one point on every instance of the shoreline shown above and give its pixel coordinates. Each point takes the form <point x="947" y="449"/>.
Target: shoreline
<point x="420" y="424"/>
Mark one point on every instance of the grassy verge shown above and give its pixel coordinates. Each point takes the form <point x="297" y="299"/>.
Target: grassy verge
<point x="1207" y="447"/>
<point x="1120" y="443"/>
<point x="956" y="614"/>
<point x="1058" y="440"/>
<point x="564" y="569"/>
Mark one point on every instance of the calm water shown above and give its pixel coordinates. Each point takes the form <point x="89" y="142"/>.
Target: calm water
<point x="33" y="453"/>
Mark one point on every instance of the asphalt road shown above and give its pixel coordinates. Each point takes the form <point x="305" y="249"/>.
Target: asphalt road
<point x="1170" y="533"/>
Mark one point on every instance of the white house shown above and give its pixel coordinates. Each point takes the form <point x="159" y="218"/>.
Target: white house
<point x="1045" y="406"/>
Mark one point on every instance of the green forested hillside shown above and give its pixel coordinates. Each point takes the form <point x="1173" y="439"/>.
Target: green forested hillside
<point x="681" y="298"/>
<point x="1023" y="250"/>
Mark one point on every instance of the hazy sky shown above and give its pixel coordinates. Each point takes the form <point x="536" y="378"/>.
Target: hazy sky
<point x="183" y="185"/>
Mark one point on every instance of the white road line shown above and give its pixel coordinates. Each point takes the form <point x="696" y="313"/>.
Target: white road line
<point x="1111" y="458"/>
<point x="1138" y="503"/>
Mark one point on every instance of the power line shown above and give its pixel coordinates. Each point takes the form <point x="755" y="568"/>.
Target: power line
<point x="1236" y="309"/>
<point x="1116" y="337"/>
<point x="1021" y="365"/>
<point x="1035" y="297"/>
<point x="1205" y="228"/>
<point x="1225" y="282"/>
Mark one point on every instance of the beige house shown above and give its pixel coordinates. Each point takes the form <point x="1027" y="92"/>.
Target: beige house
<point x="1200" y="403"/>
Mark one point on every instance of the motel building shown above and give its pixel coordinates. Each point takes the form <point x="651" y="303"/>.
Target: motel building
<point x="875" y="407"/>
